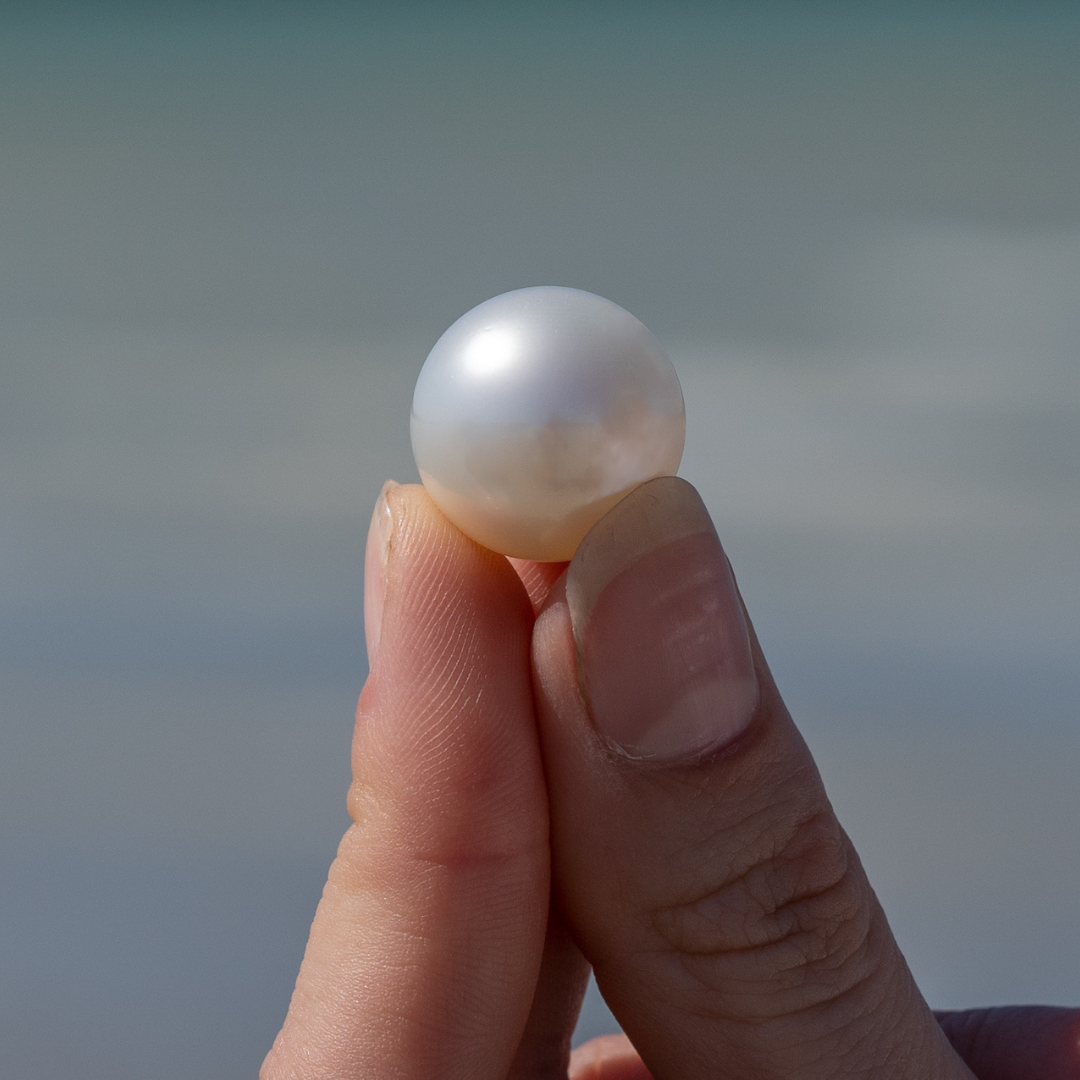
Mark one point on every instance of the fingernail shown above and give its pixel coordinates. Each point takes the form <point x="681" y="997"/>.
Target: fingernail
<point x="376" y="560"/>
<point x="663" y="650"/>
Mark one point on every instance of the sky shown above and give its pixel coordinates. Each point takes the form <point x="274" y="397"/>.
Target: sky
<point x="228" y="238"/>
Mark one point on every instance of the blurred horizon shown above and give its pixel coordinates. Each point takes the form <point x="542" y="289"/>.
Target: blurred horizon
<point x="230" y="236"/>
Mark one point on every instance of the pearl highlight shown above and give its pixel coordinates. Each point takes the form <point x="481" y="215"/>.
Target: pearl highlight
<point x="537" y="411"/>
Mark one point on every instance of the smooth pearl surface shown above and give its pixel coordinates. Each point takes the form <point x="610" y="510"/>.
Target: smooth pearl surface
<point x="537" y="411"/>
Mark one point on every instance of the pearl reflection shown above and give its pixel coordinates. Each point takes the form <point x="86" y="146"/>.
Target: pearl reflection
<point x="537" y="411"/>
<point x="491" y="351"/>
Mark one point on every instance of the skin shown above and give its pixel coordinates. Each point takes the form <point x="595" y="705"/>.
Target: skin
<point x="499" y="849"/>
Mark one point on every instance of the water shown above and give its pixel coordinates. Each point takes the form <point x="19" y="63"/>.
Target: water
<point x="229" y="241"/>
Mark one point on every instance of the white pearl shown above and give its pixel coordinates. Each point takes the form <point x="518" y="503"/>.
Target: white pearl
<point x="537" y="411"/>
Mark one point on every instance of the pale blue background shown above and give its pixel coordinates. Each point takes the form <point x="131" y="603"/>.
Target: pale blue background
<point x="228" y="237"/>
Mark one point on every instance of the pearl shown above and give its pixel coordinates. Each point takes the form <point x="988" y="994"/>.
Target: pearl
<point x="537" y="411"/>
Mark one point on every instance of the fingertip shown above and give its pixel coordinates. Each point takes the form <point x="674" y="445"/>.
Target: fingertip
<point x="442" y="711"/>
<point x="434" y="578"/>
<point x="661" y="639"/>
<point x="607" y="1057"/>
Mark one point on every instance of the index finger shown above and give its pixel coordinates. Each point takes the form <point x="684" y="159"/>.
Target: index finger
<point x="426" y="946"/>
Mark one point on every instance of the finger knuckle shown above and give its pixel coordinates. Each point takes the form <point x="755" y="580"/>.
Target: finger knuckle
<point x="788" y="928"/>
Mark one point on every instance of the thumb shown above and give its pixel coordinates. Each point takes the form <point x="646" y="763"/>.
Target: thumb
<point x="696" y="856"/>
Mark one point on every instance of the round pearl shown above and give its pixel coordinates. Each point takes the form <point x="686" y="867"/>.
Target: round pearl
<point x="537" y="411"/>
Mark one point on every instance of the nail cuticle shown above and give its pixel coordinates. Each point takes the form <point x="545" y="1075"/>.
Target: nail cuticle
<point x="704" y="758"/>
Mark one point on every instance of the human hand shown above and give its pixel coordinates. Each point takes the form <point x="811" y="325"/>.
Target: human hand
<point x="705" y="878"/>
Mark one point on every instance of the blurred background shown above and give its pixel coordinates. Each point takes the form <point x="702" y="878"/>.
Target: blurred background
<point x="228" y="237"/>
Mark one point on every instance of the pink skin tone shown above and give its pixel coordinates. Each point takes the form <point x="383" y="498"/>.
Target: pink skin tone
<point x="562" y="767"/>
